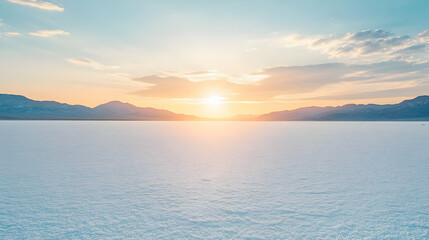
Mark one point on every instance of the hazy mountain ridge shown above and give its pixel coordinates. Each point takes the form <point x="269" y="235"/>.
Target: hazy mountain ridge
<point x="20" y="107"/>
<point x="413" y="109"/>
<point x="120" y="110"/>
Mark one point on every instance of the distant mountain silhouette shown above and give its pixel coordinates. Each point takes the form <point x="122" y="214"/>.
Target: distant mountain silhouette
<point x="414" y="109"/>
<point x="20" y="107"/>
<point x="120" y="110"/>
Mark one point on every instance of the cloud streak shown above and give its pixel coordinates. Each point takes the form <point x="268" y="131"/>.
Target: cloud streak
<point x="10" y="34"/>
<point x="38" y="4"/>
<point x="48" y="33"/>
<point x="86" y="62"/>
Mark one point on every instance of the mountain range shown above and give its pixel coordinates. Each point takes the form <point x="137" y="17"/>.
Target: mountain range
<point x="19" y="107"/>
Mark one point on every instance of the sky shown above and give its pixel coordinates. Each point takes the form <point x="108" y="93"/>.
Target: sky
<point x="215" y="58"/>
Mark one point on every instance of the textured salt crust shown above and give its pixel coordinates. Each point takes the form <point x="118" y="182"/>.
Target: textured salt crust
<point x="214" y="180"/>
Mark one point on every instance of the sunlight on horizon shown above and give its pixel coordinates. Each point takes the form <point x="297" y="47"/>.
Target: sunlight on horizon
<point x="214" y="100"/>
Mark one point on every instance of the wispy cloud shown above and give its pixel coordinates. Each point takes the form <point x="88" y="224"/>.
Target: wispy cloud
<point x="86" y="62"/>
<point x="13" y="34"/>
<point x="366" y="45"/>
<point x="286" y="83"/>
<point x="38" y="4"/>
<point x="423" y="36"/>
<point x="48" y="33"/>
<point x="6" y="27"/>
<point x="2" y="24"/>
<point x="10" y="34"/>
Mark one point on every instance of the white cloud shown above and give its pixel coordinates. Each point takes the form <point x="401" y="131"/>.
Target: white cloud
<point x="2" y="24"/>
<point x="38" y="4"/>
<point x="48" y="33"/>
<point x="423" y="36"/>
<point x="366" y="45"/>
<point x="10" y="34"/>
<point x="86" y="62"/>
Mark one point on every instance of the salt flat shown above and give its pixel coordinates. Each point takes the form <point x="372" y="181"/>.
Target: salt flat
<point x="214" y="180"/>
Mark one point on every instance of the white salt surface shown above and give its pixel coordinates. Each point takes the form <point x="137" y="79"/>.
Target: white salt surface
<point x="214" y="180"/>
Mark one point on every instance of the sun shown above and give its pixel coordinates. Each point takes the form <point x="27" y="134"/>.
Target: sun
<point x="214" y="100"/>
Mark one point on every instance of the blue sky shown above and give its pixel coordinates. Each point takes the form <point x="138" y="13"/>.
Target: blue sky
<point x="247" y="53"/>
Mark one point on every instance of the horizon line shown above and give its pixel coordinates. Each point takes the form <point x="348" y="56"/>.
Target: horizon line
<point x="248" y="116"/>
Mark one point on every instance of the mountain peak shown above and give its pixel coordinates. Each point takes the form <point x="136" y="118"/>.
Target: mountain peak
<point x="12" y="97"/>
<point x="115" y="104"/>
<point x="418" y="100"/>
